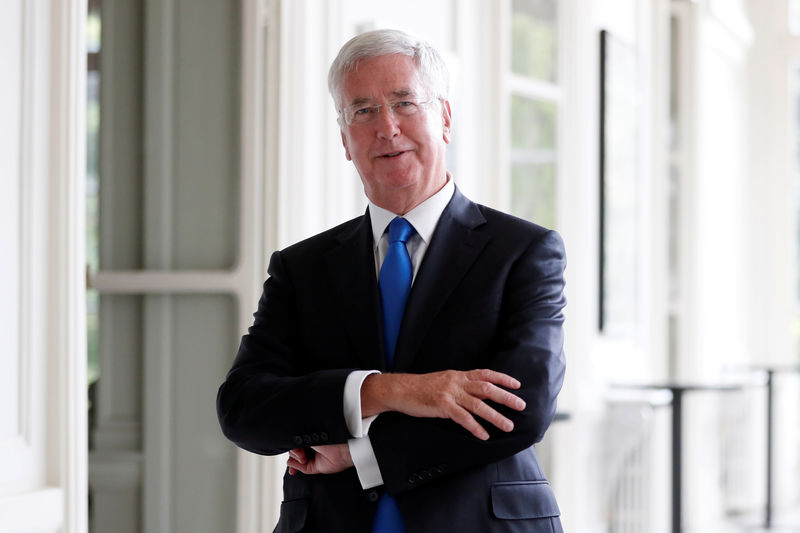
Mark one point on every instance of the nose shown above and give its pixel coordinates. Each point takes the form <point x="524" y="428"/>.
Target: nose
<point x="386" y="125"/>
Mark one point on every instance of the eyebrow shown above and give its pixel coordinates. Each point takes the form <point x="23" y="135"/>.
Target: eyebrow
<point x="399" y="93"/>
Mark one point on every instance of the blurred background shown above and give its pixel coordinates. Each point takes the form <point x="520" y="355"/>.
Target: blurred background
<point x="155" y="152"/>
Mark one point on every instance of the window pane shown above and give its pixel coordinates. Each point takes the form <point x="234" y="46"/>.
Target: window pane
<point x="204" y="335"/>
<point x="533" y="193"/>
<point x="796" y="115"/>
<point x="193" y="337"/>
<point x="534" y="39"/>
<point x="93" y="32"/>
<point x="533" y="124"/>
<point x="187" y="218"/>
<point x="674" y="83"/>
<point x="673" y="237"/>
<point x="794" y="16"/>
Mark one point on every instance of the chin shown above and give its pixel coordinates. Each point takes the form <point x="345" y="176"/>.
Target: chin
<point x="402" y="179"/>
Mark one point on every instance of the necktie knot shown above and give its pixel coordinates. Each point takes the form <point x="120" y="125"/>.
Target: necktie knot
<point x="400" y="230"/>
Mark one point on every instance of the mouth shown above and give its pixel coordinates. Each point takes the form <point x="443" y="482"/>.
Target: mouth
<point x="393" y="154"/>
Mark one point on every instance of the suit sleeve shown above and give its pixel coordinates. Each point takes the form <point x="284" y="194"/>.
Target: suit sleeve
<point x="528" y="345"/>
<point x="269" y="403"/>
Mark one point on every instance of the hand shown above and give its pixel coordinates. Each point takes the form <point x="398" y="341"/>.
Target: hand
<point x="452" y="394"/>
<point x="328" y="459"/>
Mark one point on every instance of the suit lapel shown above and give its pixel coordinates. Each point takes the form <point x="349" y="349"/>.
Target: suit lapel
<point x="351" y="268"/>
<point x="455" y="245"/>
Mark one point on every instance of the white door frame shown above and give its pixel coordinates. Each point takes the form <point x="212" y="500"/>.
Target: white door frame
<point x="50" y="494"/>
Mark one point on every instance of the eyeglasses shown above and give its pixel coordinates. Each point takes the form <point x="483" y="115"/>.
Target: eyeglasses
<point x="365" y="113"/>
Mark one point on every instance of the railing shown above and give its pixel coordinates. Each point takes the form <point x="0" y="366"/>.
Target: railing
<point x="630" y="455"/>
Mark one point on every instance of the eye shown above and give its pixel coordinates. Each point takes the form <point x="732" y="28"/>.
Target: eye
<point x="362" y="110"/>
<point x="405" y="103"/>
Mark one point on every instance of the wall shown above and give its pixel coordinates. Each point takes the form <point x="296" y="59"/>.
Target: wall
<point x="42" y="358"/>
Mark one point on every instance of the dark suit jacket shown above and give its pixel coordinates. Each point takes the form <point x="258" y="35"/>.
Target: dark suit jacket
<point x="489" y="294"/>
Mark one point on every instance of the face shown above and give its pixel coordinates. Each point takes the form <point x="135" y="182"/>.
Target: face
<point x="401" y="160"/>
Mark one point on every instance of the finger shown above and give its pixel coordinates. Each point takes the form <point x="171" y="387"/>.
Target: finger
<point x="462" y="417"/>
<point x="292" y="464"/>
<point x="492" y="376"/>
<point x="321" y="451"/>
<point x="487" y="391"/>
<point x="298" y="454"/>
<point x="489" y="414"/>
<point x="306" y="468"/>
<point x="292" y="471"/>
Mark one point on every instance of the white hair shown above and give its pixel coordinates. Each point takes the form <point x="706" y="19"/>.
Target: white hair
<point x="376" y="43"/>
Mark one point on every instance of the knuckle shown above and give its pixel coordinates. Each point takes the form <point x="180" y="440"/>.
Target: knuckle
<point x="511" y="399"/>
<point x="485" y="389"/>
<point x="474" y="405"/>
<point x="462" y="417"/>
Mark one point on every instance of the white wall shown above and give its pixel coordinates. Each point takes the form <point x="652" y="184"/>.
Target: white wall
<point x="42" y="360"/>
<point x="773" y="184"/>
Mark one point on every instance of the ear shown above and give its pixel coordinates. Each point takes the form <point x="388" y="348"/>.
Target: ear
<point x="346" y="150"/>
<point x="446" y="122"/>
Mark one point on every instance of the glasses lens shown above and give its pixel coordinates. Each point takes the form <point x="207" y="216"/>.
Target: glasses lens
<point x="406" y="108"/>
<point x="361" y="114"/>
<point x="367" y="114"/>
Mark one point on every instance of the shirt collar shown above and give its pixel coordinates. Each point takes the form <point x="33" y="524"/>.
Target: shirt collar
<point x="423" y="217"/>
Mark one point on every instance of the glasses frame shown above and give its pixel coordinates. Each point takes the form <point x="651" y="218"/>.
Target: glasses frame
<point x="346" y="115"/>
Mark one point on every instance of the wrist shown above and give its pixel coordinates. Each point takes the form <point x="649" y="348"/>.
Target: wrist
<point x="375" y="394"/>
<point x="348" y="457"/>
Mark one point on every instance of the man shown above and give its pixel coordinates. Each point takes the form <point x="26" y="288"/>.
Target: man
<point x="407" y="359"/>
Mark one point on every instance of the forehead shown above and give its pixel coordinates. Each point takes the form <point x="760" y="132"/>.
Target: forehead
<point x="382" y="77"/>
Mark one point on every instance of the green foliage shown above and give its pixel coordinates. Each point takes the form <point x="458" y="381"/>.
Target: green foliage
<point x="533" y="193"/>
<point x="533" y="123"/>
<point x="534" y="43"/>
<point x="93" y="366"/>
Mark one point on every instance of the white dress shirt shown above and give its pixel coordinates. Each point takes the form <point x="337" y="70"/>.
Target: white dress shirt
<point x="424" y="218"/>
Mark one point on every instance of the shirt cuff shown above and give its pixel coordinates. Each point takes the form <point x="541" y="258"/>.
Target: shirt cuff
<point x="356" y="425"/>
<point x="369" y="474"/>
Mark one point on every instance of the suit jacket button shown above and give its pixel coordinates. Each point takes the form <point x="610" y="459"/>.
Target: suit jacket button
<point x="411" y="480"/>
<point x="298" y="440"/>
<point x="315" y="437"/>
<point x="428" y="474"/>
<point x="323" y="436"/>
<point x="373" y="496"/>
<point x="307" y="439"/>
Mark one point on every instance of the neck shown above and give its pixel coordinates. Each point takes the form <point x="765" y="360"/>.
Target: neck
<point x="401" y="201"/>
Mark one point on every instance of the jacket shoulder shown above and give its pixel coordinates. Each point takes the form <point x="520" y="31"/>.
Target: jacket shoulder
<point x="324" y="241"/>
<point x="506" y="226"/>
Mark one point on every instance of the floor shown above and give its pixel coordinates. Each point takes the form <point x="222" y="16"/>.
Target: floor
<point x="783" y="521"/>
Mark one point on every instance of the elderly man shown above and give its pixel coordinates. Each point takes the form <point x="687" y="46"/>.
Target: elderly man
<point x="408" y="359"/>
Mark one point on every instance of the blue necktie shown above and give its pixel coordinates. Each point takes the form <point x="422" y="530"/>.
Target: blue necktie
<point x="395" y="284"/>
